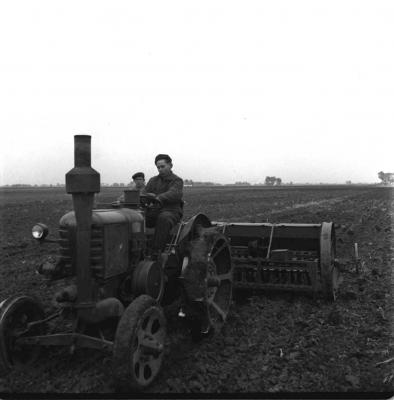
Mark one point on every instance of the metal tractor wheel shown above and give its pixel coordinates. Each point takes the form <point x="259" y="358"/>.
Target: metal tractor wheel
<point x="328" y="267"/>
<point x="139" y="344"/>
<point x="18" y="315"/>
<point x="207" y="278"/>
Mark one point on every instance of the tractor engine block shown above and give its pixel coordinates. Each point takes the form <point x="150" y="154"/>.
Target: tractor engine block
<point x="116" y="245"/>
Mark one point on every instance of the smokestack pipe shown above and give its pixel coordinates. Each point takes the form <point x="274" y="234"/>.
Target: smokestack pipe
<point x="82" y="182"/>
<point x="82" y="155"/>
<point x="82" y="178"/>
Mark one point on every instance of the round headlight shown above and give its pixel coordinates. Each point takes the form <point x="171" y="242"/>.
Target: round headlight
<point x="39" y="231"/>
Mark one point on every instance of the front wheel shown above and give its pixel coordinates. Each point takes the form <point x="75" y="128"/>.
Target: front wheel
<point x="139" y="344"/>
<point x="20" y="317"/>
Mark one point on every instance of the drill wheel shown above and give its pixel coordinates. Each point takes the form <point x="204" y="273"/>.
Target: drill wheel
<point x="328" y="268"/>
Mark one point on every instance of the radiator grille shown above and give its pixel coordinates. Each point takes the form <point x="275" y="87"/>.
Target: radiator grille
<point x="67" y="244"/>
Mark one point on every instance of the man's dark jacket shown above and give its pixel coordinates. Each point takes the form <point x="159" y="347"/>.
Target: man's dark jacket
<point x="169" y="190"/>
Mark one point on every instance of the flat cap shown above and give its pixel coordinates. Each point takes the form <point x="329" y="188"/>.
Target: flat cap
<point x="165" y="157"/>
<point x="138" y="175"/>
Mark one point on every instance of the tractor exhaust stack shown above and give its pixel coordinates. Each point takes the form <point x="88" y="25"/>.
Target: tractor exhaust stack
<point x="82" y="182"/>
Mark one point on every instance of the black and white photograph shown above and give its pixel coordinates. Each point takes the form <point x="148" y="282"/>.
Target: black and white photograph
<point x="197" y="199"/>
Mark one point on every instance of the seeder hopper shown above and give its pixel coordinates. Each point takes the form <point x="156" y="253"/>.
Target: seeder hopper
<point x="294" y="257"/>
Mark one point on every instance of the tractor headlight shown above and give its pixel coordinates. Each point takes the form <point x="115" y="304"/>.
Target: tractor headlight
<point x="39" y="231"/>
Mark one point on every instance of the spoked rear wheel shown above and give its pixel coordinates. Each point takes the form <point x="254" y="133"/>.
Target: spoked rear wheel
<point x="18" y="318"/>
<point x="139" y="344"/>
<point x="207" y="277"/>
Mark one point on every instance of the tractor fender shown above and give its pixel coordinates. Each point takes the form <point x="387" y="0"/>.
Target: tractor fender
<point x="190" y="226"/>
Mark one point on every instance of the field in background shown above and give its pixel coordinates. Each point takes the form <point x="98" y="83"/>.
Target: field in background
<point x="271" y="342"/>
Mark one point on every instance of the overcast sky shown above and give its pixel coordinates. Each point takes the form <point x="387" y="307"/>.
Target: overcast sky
<point x="232" y="90"/>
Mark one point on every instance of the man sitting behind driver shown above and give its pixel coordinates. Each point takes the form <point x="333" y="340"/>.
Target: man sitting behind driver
<point x="138" y="181"/>
<point x="167" y="189"/>
<point x="137" y="184"/>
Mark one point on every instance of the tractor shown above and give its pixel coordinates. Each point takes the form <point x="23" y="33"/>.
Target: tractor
<point x="116" y="293"/>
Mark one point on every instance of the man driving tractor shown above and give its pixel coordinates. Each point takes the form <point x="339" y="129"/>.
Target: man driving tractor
<point x="166" y="188"/>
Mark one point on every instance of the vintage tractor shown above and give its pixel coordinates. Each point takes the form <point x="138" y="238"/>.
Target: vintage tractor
<point x="114" y="299"/>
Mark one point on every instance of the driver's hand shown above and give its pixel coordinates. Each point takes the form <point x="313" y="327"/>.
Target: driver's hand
<point x="153" y="197"/>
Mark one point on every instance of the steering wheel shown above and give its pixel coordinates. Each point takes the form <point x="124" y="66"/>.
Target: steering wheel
<point x="150" y="200"/>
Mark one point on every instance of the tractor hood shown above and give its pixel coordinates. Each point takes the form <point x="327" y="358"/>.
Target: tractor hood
<point x="102" y="217"/>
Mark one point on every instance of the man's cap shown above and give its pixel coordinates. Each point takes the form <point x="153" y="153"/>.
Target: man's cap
<point x="138" y="175"/>
<point x="165" y="157"/>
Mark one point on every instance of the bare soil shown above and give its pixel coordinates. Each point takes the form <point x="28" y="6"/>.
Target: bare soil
<point x="272" y="342"/>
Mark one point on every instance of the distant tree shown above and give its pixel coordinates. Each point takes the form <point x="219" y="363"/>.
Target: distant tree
<point x="116" y="184"/>
<point x="386" y="177"/>
<point x="348" y="182"/>
<point x="272" y="180"/>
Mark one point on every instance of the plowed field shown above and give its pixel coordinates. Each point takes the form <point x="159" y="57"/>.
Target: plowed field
<point x="271" y="342"/>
